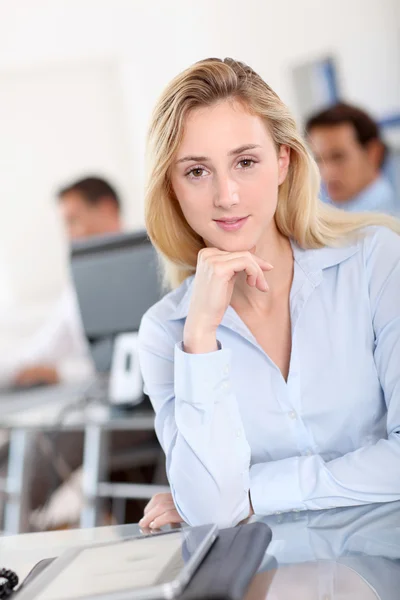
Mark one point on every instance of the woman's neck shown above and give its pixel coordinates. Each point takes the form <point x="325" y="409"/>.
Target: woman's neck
<point x="276" y="249"/>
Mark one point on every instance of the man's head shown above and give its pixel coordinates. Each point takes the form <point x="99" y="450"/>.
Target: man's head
<point x="90" y="207"/>
<point x="348" y="148"/>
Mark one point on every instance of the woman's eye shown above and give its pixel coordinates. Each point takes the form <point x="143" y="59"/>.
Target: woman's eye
<point x="246" y="163"/>
<point x="196" y="173"/>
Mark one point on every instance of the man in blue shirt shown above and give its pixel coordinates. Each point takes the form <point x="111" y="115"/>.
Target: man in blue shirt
<point x="350" y="154"/>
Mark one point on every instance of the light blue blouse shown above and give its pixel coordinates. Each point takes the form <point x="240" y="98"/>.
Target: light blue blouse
<point x="328" y="436"/>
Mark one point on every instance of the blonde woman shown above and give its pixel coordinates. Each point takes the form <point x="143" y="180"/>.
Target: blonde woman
<point x="274" y="365"/>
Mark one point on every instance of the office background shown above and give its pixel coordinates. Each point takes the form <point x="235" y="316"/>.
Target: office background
<point x="78" y="80"/>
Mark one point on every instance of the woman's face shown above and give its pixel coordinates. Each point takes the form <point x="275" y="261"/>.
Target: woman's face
<point x="226" y="175"/>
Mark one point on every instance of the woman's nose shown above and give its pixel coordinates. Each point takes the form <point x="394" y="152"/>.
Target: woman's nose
<point x="226" y="193"/>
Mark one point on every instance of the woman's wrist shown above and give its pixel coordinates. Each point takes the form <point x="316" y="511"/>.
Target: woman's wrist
<point x="199" y="342"/>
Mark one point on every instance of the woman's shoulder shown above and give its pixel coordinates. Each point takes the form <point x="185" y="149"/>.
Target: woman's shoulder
<point x="375" y="249"/>
<point x="381" y="243"/>
<point x="166" y="308"/>
<point x="381" y="249"/>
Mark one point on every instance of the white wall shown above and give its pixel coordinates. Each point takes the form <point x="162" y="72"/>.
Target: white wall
<point x="149" y="42"/>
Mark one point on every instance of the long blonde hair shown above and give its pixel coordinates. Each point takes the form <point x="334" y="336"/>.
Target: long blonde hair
<point x="300" y="214"/>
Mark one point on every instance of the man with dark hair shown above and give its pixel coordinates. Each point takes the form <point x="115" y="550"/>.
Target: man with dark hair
<point x="350" y="154"/>
<point x="59" y="351"/>
<point x="90" y="206"/>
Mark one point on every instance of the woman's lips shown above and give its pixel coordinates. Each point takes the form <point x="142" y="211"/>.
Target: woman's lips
<point x="231" y="224"/>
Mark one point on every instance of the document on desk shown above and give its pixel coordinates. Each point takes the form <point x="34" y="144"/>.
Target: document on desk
<point x="113" y="568"/>
<point x="154" y="566"/>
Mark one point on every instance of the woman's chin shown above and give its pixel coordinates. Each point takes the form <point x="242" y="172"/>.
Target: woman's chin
<point x="235" y="244"/>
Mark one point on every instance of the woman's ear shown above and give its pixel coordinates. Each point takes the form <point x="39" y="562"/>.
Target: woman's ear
<point x="283" y="162"/>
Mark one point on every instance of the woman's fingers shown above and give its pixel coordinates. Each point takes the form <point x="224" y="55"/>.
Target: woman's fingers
<point x="157" y="510"/>
<point x="251" y="280"/>
<point x="161" y="515"/>
<point x="254" y="272"/>
<point x="226" y="256"/>
<point x="170" y="517"/>
<point x="263" y="264"/>
<point x="214" y="284"/>
<point x="158" y="499"/>
<point x="160" y="511"/>
<point x="160" y="504"/>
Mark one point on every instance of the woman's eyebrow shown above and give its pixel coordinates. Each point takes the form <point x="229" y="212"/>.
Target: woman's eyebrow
<point x="194" y="158"/>
<point x="234" y="152"/>
<point x="242" y="149"/>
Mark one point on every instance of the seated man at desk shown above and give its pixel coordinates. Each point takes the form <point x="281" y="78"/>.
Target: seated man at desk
<point x="59" y="352"/>
<point x="350" y="154"/>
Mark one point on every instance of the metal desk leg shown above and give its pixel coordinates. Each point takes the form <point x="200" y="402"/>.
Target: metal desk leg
<point x="20" y="459"/>
<point x="95" y="463"/>
<point x="118" y="510"/>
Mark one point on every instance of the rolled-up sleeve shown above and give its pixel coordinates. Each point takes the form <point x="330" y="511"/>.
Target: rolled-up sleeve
<point x="199" y="427"/>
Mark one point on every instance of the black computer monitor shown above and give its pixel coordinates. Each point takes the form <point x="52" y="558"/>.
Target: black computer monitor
<point x="117" y="278"/>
